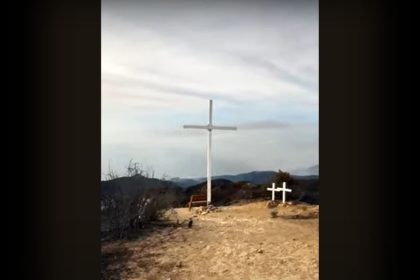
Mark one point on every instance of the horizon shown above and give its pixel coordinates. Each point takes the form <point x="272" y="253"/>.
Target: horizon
<point x="291" y="172"/>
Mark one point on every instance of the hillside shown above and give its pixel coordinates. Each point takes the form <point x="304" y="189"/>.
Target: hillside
<point x="134" y="184"/>
<point x="225" y="191"/>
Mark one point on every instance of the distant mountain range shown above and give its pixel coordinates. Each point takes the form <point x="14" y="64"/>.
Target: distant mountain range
<point x="255" y="177"/>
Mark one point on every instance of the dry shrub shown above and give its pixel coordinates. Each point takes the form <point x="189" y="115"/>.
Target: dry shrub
<point x="124" y="213"/>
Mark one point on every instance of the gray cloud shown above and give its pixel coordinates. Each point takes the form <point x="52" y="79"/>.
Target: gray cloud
<point x="122" y="81"/>
<point x="276" y="71"/>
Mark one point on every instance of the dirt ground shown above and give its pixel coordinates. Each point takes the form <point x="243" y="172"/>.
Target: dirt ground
<point x="237" y="242"/>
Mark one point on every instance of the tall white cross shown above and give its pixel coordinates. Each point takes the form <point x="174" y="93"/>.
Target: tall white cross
<point x="210" y="127"/>
<point x="284" y="190"/>
<point x="273" y="190"/>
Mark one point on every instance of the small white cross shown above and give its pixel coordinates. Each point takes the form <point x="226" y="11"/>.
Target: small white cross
<point x="273" y="190"/>
<point x="284" y="190"/>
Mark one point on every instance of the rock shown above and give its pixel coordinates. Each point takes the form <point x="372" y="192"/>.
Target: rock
<point x="271" y="204"/>
<point x="260" y="251"/>
<point x="179" y="264"/>
<point x="274" y="213"/>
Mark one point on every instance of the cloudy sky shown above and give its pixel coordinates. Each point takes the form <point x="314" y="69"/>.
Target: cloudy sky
<point x="163" y="60"/>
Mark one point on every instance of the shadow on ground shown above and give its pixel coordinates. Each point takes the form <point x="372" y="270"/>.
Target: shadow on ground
<point x="119" y="259"/>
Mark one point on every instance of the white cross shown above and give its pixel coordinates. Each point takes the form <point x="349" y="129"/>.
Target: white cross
<point x="284" y="190"/>
<point x="210" y="127"/>
<point x="273" y="190"/>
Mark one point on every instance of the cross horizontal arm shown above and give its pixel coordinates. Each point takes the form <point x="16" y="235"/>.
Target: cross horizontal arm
<point x="211" y="127"/>
<point x="224" y="127"/>
<point x="197" y="126"/>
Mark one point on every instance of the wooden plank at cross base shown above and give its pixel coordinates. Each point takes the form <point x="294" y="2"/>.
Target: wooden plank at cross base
<point x="196" y="199"/>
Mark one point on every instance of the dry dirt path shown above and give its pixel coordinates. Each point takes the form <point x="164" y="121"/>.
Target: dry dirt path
<point x="240" y="242"/>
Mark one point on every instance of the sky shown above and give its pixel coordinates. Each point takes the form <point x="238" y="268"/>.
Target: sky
<point x="163" y="60"/>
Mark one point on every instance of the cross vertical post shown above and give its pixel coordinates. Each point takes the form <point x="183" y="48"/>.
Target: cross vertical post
<point x="284" y="190"/>
<point x="209" y="153"/>
<point x="273" y="190"/>
<point x="284" y="193"/>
